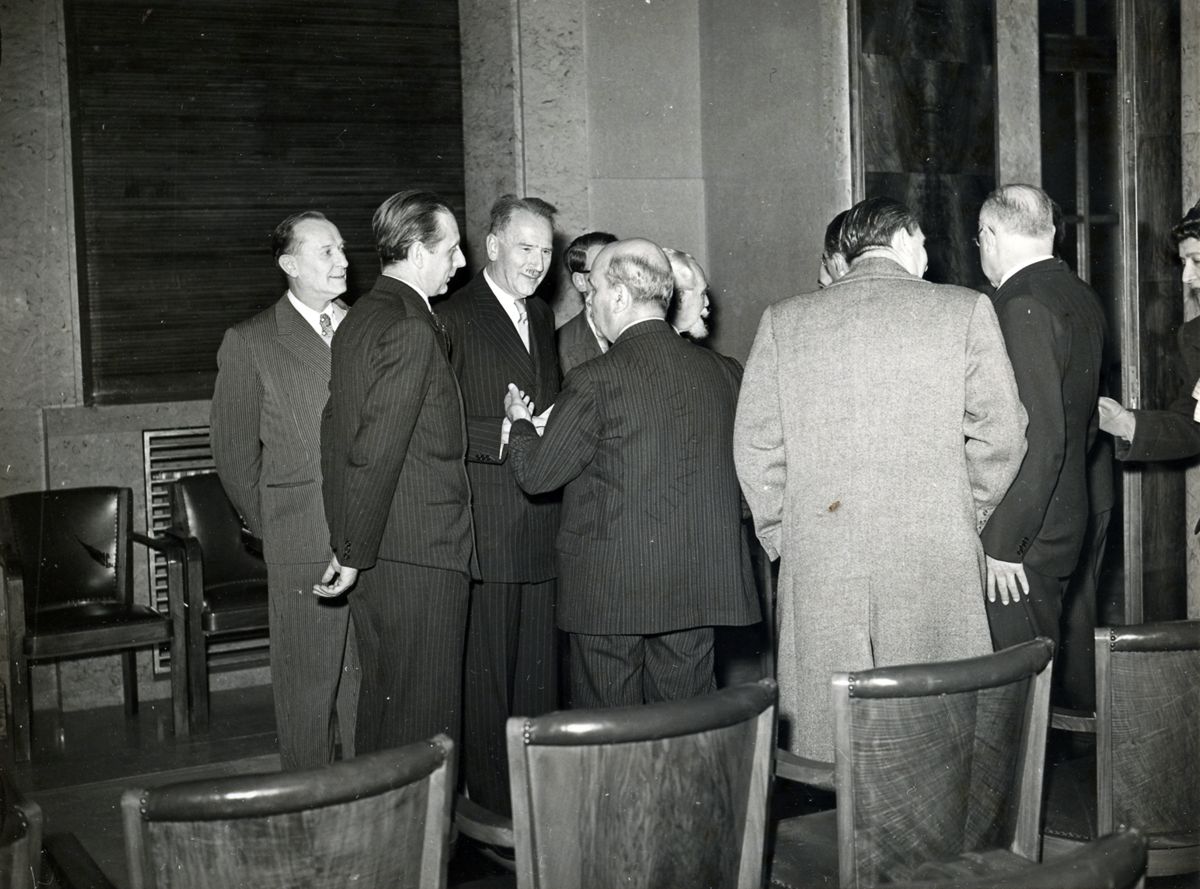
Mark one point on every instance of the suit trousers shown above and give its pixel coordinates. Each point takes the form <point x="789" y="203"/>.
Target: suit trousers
<point x="410" y="622"/>
<point x="1037" y="614"/>
<point x="511" y="670"/>
<point x="314" y="667"/>
<point x="1075" y="666"/>
<point x="621" y="670"/>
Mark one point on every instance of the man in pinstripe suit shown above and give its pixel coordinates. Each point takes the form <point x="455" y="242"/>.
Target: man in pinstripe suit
<point x="501" y="332"/>
<point x="650" y="551"/>
<point x="272" y="383"/>
<point x="396" y="491"/>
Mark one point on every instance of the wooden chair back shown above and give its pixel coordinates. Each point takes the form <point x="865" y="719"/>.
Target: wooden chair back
<point x="668" y="794"/>
<point x="939" y="760"/>
<point x="379" y="821"/>
<point x="1148" y="737"/>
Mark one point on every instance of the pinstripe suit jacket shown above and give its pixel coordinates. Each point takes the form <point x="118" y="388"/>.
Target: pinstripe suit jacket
<point x="651" y="538"/>
<point x="576" y="343"/>
<point x="514" y="531"/>
<point x="272" y="383"/>
<point x="392" y="438"/>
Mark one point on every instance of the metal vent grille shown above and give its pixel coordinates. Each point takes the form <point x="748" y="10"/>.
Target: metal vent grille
<point x="169" y="454"/>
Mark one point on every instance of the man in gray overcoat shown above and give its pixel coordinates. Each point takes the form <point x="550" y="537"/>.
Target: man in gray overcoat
<point x="878" y="427"/>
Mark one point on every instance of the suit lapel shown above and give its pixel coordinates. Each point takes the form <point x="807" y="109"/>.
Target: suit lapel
<point x="397" y="289"/>
<point x="497" y="326"/>
<point x="297" y="338"/>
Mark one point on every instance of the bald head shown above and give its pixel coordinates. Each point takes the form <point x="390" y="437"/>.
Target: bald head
<point x="631" y="281"/>
<point x="1016" y="224"/>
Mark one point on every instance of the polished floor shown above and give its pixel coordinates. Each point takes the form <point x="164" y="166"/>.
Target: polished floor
<point x="83" y="761"/>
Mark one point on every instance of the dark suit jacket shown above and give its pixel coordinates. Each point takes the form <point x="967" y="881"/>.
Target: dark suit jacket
<point x="514" y="531"/>
<point x="392" y="438"/>
<point x="1054" y="331"/>
<point x="576" y="343"/>
<point x="272" y="384"/>
<point x="1174" y="433"/>
<point x="651" y="538"/>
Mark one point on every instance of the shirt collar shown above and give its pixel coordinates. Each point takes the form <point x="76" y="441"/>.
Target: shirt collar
<point x="509" y="300"/>
<point x="312" y="316"/>
<point x="1023" y="264"/>
<point x="601" y="340"/>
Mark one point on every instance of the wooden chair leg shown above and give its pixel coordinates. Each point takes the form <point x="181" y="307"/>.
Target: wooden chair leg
<point x="21" y="723"/>
<point x="197" y="668"/>
<point x="179" y="685"/>
<point x="129" y="676"/>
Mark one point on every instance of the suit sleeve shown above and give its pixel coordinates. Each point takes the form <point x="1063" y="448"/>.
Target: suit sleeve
<point x="567" y="447"/>
<point x="399" y="366"/>
<point x="1170" y="434"/>
<point x="483" y="431"/>
<point x="234" y="423"/>
<point x="1030" y="333"/>
<point x="994" y="420"/>
<point x="758" y="448"/>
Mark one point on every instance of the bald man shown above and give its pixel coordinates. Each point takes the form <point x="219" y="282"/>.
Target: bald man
<point x="650" y="551"/>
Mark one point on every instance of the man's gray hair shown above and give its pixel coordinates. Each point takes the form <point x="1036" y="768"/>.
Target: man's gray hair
<point x="1021" y="210"/>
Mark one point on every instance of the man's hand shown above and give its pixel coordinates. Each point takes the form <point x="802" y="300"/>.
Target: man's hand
<point x="1116" y="420"/>
<point x="540" y="421"/>
<point x="1007" y="577"/>
<point x="517" y="405"/>
<point x="336" y="580"/>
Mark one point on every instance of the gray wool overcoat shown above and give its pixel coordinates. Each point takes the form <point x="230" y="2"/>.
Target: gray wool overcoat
<point x="878" y="426"/>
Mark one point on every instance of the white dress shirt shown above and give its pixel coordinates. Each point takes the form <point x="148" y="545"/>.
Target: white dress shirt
<point x="518" y="313"/>
<point x="335" y="312"/>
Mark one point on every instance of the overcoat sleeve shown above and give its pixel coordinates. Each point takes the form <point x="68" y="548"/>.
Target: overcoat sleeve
<point x="758" y="450"/>
<point x="1172" y="434"/>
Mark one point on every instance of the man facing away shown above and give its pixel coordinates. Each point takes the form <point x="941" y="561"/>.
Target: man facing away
<point x="396" y="491"/>
<point x="501" y="332"/>
<point x="578" y="340"/>
<point x="650" y="552"/>
<point x="878" y="427"/>
<point x="1053" y="329"/>
<point x="272" y="383"/>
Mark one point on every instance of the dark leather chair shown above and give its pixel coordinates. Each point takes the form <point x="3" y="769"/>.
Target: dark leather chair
<point x="938" y="774"/>
<point x="1146" y="769"/>
<point x="1116" y="861"/>
<point x="67" y="557"/>
<point x="669" y="794"/>
<point x="225" y="581"/>
<point x="379" y="820"/>
<point x="20" y="838"/>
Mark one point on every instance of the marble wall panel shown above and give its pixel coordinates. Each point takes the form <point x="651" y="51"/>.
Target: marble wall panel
<point x="38" y="358"/>
<point x="1189" y="31"/>
<point x="22" y="450"/>
<point x="1018" y="123"/>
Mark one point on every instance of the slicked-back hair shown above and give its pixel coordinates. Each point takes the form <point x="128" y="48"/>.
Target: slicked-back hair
<point x="575" y="256"/>
<point x="647" y="281"/>
<point x="1188" y="227"/>
<point x="1021" y="210"/>
<point x="833" y="235"/>
<point x="404" y="219"/>
<point x="873" y="223"/>
<point x="508" y="204"/>
<point x="283" y="239"/>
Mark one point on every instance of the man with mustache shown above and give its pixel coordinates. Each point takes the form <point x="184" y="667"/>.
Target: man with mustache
<point x="501" y="332"/>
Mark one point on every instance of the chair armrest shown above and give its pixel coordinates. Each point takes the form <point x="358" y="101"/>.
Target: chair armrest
<point x="807" y="771"/>
<point x="71" y="864"/>
<point x="482" y="824"/>
<point x="1073" y="720"/>
<point x="167" y="545"/>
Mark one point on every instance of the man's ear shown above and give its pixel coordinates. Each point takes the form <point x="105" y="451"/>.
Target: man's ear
<point x="287" y="262"/>
<point x="579" y="281"/>
<point x="838" y="264"/>
<point x="493" y="247"/>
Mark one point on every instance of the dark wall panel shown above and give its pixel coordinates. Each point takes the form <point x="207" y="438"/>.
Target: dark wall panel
<point x="197" y="127"/>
